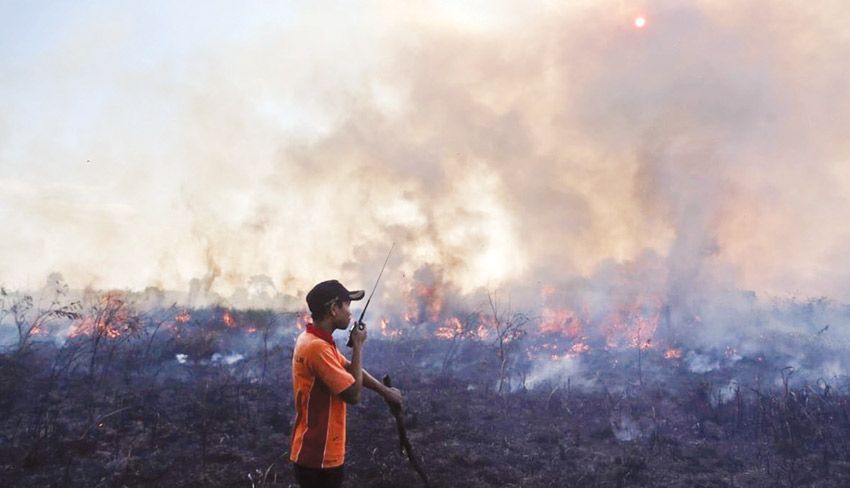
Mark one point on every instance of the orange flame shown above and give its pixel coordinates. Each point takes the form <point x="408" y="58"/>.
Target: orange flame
<point x="112" y="316"/>
<point x="560" y="321"/>
<point x="424" y="303"/>
<point x="633" y="325"/>
<point x="386" y="330"/>
<point x="673" y="353"/>
<point x="450" y="329"/>
<point x="228" y="319"/>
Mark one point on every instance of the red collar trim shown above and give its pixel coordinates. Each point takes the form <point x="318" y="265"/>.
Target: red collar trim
<point x="321" y="334"/>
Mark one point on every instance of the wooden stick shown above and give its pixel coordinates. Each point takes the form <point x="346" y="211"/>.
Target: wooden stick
<point x="404" y="442"/>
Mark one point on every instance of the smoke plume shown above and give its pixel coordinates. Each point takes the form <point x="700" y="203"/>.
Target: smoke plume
<point x="695" y="158"/>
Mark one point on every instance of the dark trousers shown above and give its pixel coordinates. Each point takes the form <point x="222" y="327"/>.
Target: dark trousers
<point x="318" y="478"/>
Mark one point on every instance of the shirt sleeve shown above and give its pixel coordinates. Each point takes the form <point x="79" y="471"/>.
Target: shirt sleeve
<point x="327" y="366"/>
<point x="343" y="359"/>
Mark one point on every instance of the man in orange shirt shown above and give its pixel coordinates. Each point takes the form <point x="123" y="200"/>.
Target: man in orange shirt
<point x="324" y="381"/>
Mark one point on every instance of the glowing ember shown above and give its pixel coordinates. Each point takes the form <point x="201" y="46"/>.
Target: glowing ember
<point x="443" y="333"/>
<point x="579" y="347"/>
<point x="228" y="319"/>
<point x="183" y="317"/>
<point x="673" y="353"/>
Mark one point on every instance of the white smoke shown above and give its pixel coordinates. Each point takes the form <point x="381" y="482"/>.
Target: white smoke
<point x="700" y="159"/>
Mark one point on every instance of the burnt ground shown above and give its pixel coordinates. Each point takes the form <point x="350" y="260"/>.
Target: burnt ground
<point x="135" y="416"/>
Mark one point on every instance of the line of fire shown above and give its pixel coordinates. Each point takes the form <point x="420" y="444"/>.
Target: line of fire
<point x="111" y="388"/>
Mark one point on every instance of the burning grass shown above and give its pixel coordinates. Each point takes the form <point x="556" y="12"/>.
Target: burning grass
<point x="111" y="396"/>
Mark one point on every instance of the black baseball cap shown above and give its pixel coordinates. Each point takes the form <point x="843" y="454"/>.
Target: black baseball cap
<point x="326" y="292"/>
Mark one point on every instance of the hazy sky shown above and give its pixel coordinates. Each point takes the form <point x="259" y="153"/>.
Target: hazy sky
<point x="506" y="144"/>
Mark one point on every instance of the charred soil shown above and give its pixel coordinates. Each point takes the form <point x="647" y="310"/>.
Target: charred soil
<point x="167" y="412"/>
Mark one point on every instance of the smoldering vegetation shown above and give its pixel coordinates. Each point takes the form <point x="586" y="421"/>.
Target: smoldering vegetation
<point x="98" y="389"/>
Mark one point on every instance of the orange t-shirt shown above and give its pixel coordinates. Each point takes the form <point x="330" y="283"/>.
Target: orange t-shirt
<point x="318" y="377"/>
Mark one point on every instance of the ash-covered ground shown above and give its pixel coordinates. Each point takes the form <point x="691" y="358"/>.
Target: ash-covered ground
<point x="175" y="397"/>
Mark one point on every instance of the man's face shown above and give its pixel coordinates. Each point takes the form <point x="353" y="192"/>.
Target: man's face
<point x="341" y="314"/>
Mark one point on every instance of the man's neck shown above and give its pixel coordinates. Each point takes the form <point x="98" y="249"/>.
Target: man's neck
<point x="325" y="326"/>
<point x="323" y="331"/>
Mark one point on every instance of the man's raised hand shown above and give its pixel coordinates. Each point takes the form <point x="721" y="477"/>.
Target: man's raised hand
<point x="358" y="334"/>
